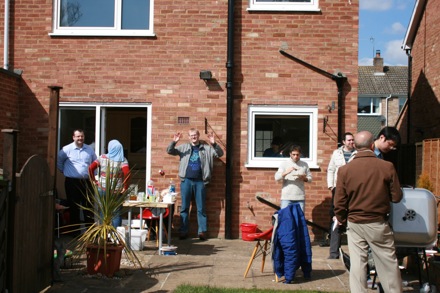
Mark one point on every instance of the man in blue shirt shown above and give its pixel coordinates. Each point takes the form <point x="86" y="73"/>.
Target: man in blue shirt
<point x="73" y="161"/>
<point x="195" y="170"/>
<point x="387" y="140"/>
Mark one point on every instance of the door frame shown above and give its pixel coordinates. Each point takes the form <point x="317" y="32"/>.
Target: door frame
<point x="100" y="132"/>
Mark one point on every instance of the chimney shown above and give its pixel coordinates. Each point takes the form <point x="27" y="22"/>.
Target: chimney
<point x="378" y="62"/>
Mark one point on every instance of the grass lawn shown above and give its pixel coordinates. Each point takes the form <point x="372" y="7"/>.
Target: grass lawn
<point x="208" y="289"/>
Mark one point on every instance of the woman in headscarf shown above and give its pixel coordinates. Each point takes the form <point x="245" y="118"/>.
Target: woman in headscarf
<point x="112" y="164"/>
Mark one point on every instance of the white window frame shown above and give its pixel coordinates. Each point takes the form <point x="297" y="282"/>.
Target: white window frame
<point x="284" y="110"/>
<point x="371" y="105"/>
<point x="101" y="31"/>
<point x="313" y="5"/>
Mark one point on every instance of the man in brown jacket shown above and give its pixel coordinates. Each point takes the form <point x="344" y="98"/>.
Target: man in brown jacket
<point x="364" y="190"/>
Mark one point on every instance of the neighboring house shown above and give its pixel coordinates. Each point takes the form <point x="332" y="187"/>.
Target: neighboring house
<point x="382" y="92"/>
<point x="137" y="71"/>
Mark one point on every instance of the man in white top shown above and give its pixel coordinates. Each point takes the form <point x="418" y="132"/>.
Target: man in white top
<point x="340" y="157"/>
<point x="293" y="173"/>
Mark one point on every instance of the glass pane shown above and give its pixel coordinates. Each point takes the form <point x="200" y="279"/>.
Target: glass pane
<point x="87" y="13"/>
<point x="401" y="103"/>
<point x="74" y="118"/>
<point x="364" y="105"/>
<point x="138" y="132"/>
<point x="283" y="1"/>
<point x="376" y="105"/>
<point x="290" y="129"/>
<point x="135" y="14"/>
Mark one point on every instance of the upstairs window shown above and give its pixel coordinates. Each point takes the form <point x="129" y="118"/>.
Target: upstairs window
<point x="284" y="5"/>
<point x="369" y="106"/>
<point x="103" y="17"/>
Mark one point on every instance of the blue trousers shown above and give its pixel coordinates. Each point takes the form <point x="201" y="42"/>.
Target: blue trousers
<point x="285" y="203"/>
<point x="188" y="188"/>
<point x="117" y="218"/>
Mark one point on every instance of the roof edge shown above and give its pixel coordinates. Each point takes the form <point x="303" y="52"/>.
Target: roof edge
<point x="419" y="8"/>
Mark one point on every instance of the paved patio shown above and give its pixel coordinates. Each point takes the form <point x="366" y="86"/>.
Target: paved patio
<point x="216" y="262"/>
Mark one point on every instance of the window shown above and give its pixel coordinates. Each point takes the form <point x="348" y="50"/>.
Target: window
<point x="103" y="17"/>
<point x="284" y="5"/>
<point x="369" y="106"/>
<point x="291" y="124"/>
<point x="402" y="101"/>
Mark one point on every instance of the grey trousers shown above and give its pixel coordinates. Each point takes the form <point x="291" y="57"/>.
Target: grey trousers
<point x="335" y="242"/>
<point x="380" y="238"/>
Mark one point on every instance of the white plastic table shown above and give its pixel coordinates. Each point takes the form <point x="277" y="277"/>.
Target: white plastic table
<point x="146" y="204"/>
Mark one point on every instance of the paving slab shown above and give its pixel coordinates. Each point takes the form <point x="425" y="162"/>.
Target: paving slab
<point x="215" y="262"/>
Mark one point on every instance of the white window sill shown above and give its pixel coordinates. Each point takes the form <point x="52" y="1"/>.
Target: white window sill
<point x="283" y="8"/>
<point x="101" y="34"/>
<point x="276" y="163"/>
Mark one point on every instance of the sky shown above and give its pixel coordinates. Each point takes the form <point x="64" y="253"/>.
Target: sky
<point x="382" y="26"/>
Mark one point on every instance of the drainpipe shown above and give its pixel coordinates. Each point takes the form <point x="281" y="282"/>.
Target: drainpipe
<point x="340" y="80"/>
<point x="386" y="109"/>
<point x="6" y="37"/>
<point x="229" y="121"/>
<point x="408" y="101"/>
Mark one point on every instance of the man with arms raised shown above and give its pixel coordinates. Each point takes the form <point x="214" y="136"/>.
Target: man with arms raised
<point x="195" y="170"/>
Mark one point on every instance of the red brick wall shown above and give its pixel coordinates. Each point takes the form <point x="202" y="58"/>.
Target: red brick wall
<point x="425" y="91"/>
<point x="164" y="70"/>
<point x="9" y="89"/>
<point x="327" y="40"/>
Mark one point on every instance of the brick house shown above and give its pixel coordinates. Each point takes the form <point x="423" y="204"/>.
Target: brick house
<point x="383" y="91"/>
<point x="291" y="71"/>
<point x="420" y="122"/>
<point x="420" y="40"/>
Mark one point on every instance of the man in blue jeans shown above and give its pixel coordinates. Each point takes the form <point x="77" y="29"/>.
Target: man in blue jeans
<point x="195" y="170"/>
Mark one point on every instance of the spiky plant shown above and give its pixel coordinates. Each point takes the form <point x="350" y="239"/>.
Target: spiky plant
<point x="103" y="204"/>
<point x="425" y="182"/>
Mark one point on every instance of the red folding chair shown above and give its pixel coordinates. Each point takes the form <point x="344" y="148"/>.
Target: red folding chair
<point x="259" y="249"/>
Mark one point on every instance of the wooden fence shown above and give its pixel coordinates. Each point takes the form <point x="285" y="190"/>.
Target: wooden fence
<point x="431" y="164"/>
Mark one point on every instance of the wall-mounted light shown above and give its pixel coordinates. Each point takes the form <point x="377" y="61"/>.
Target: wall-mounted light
<point x="205" y="75"/>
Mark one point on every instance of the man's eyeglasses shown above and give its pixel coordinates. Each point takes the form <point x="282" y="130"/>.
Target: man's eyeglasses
<point x="391" y="144"/>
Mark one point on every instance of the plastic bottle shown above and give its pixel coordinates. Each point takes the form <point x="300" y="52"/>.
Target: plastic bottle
<point x="150" y="189"/>
<point x="172" y="186"/>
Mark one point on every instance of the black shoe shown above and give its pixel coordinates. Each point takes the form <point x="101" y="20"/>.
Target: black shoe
<point x="182" y="236"/>
<point x="202" y="236"/>
<point x="333" y="257"/>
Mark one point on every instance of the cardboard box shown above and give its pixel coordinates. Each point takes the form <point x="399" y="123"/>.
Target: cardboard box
<point x="135" y="223"/>
<point x="138" y="237"/>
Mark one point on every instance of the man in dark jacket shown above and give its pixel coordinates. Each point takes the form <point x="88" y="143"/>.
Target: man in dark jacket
<point x="364" y="190"/>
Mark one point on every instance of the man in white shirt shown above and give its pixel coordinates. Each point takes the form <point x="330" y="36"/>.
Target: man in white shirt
<point x="293" y="173"/>
<point x="340" y="157"/>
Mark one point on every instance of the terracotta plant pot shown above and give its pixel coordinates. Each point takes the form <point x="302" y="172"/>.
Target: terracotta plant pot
<point x="97" y="263"/>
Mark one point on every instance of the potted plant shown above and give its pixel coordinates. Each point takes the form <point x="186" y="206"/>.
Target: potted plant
<point x="101" y="241"/>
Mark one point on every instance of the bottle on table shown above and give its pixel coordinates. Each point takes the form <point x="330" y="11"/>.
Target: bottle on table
<point x="172" y="187"/>
<point x="150" y="189"/>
